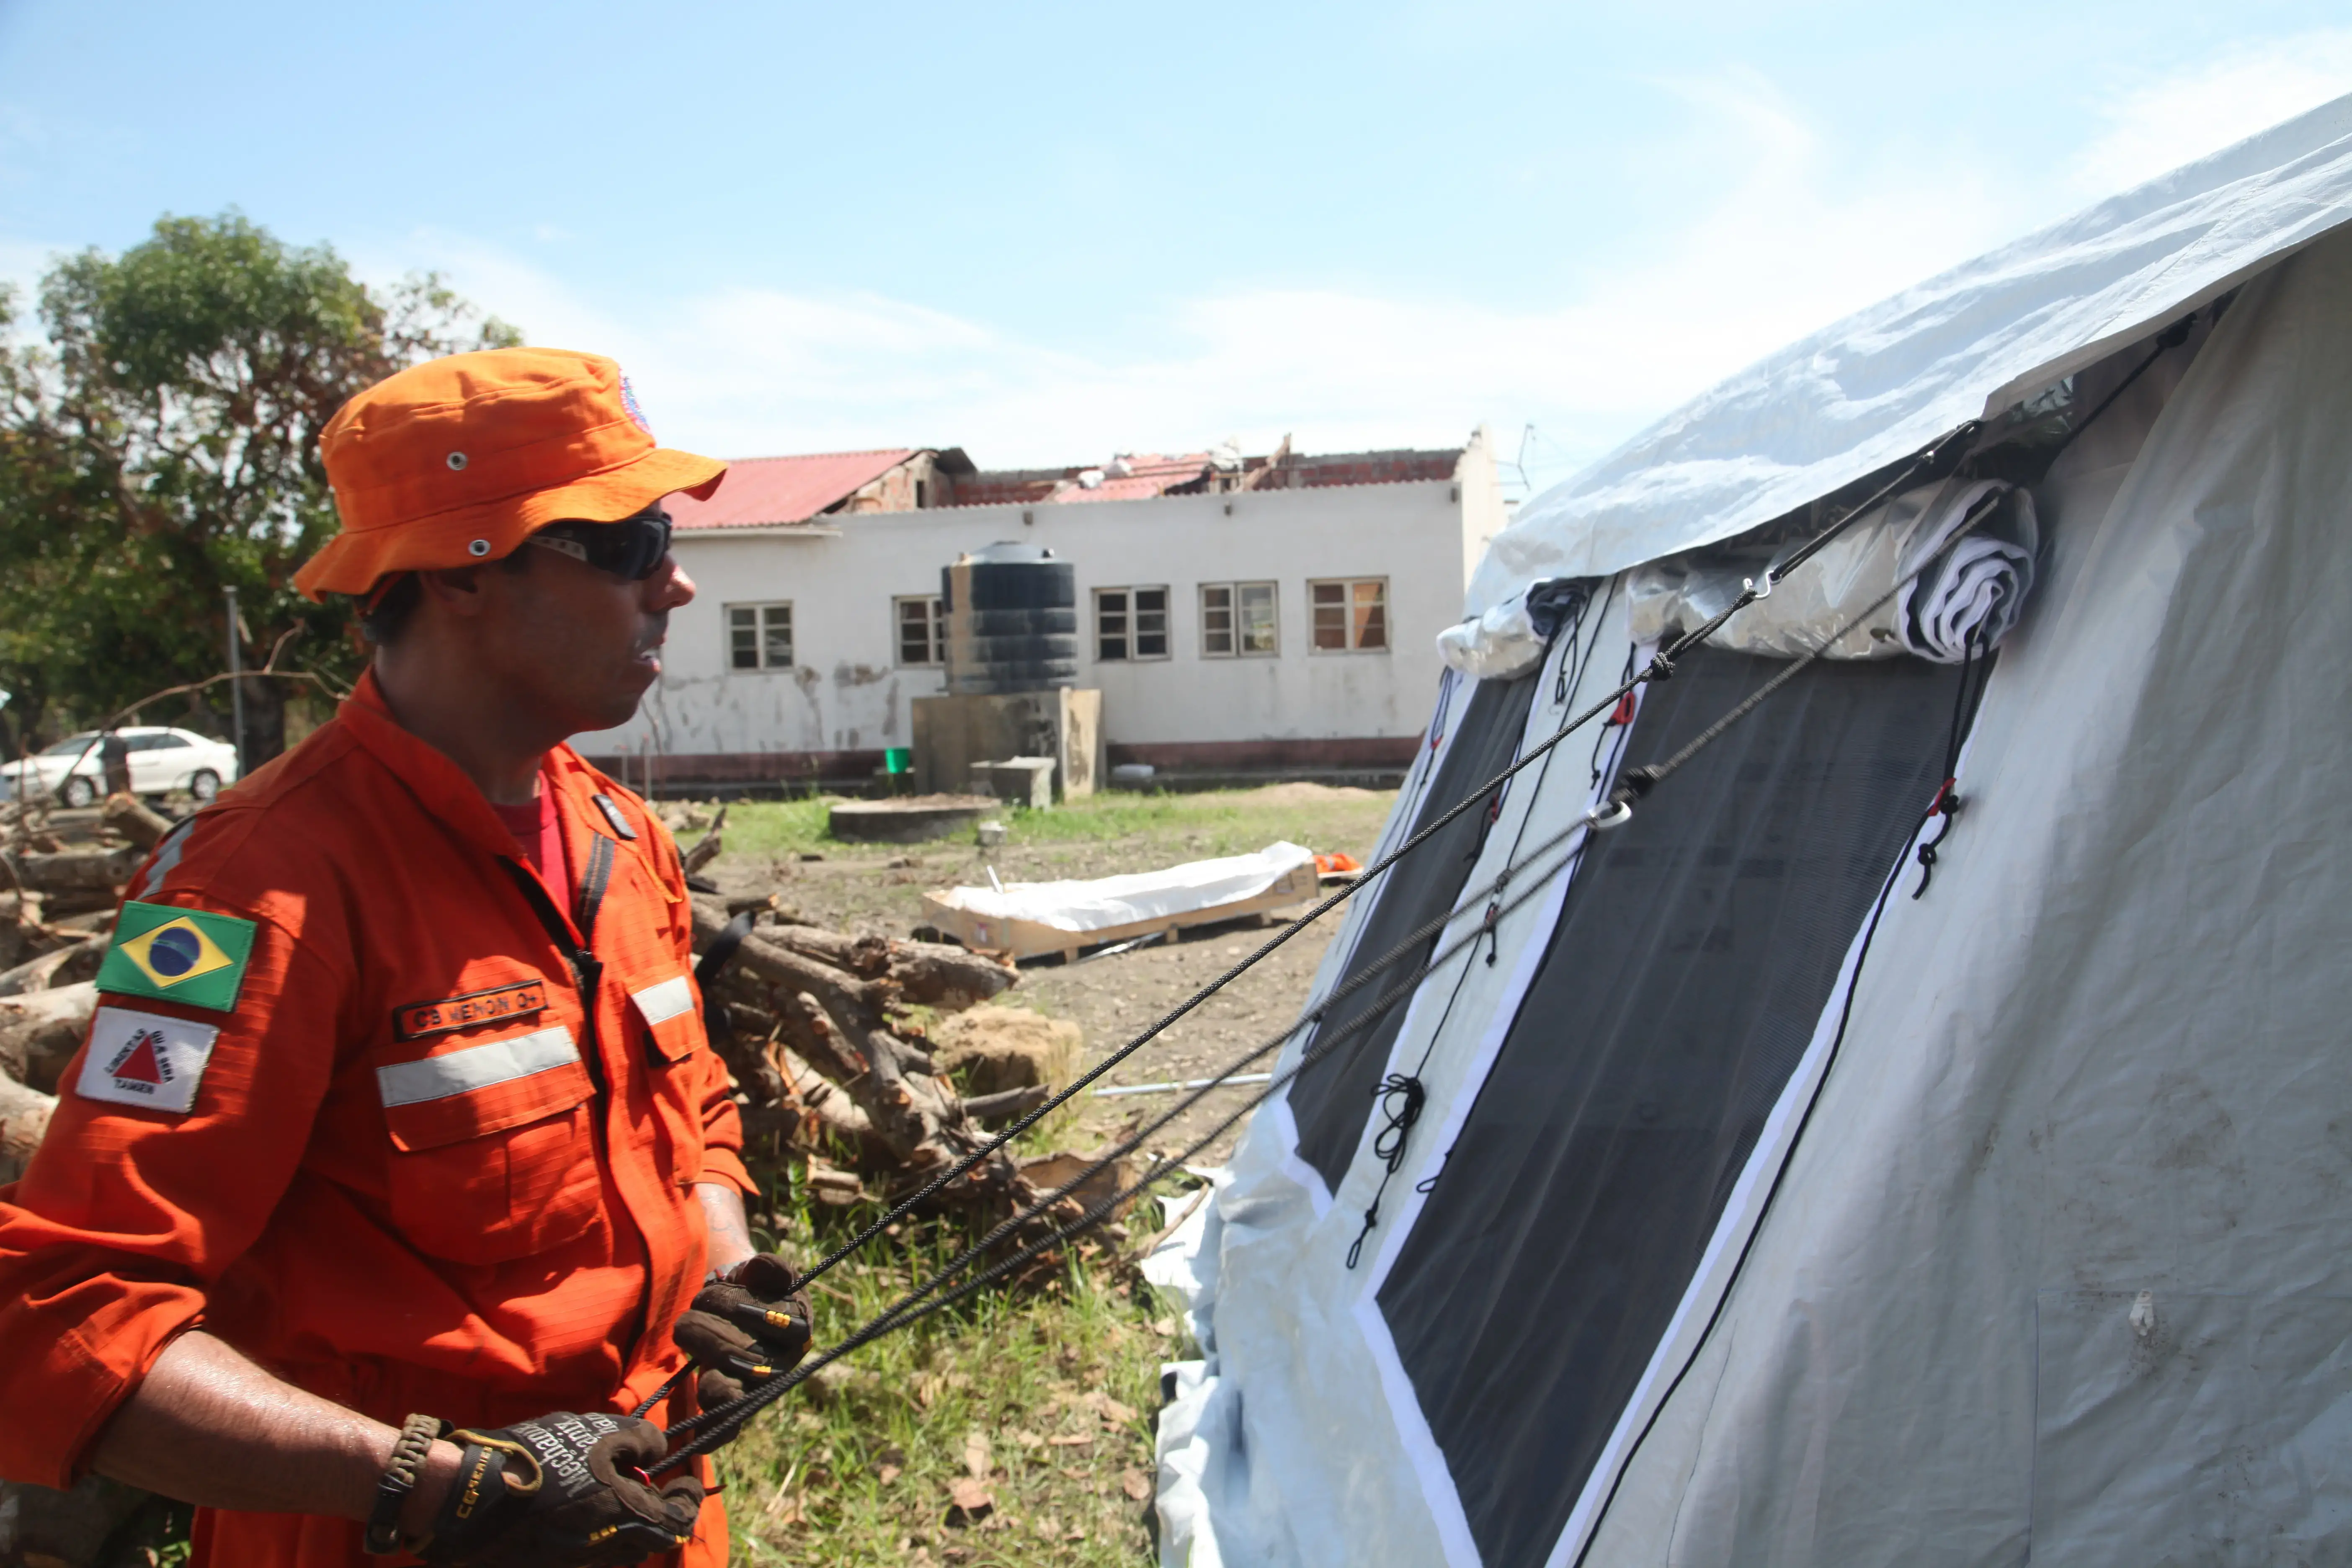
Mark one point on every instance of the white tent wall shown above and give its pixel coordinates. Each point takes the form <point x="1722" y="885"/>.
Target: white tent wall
<point x="2058" y="1266"/>
<point x="2064" y="1266"/>
<point x="1304" y="1445"/>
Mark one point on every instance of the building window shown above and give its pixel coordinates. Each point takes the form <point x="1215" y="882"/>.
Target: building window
<point x="760" y="637"/>
<point x="1238" y="619"/>
<point x="922" y="630"/>
<point x="1131" y="623"/>
<point x="1351" y="616"/>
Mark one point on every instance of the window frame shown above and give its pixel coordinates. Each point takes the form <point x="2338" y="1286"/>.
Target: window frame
<point x="1131" y="630"/>
<point x="1234" y="623"/>
<point x="763" y="633"/>
<point x="936" y="621"/>
<point x="1351" y="626"/>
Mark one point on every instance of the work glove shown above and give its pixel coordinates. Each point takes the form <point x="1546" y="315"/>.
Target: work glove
<point x="561" y="1491"/>
<point x="744" y="1327"/>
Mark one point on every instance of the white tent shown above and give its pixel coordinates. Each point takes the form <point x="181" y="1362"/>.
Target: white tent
<point x="1757" y="1211"/>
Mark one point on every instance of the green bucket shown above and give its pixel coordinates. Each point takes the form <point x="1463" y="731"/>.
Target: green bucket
<point x="898" y="760"/>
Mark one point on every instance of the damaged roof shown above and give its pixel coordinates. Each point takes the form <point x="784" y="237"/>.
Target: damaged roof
<point x="773" y="491"/>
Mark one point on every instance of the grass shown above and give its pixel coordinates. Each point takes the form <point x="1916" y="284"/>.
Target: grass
<point x="1209" y="823"/>
<point x="1042" y="1397"/>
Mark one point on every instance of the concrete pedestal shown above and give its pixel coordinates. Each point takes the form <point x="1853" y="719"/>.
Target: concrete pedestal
<point x="1016" y="781"/>
<point x="952" y="734"/>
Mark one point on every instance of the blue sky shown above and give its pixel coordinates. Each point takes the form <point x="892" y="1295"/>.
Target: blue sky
<point x="1051" y="233"/>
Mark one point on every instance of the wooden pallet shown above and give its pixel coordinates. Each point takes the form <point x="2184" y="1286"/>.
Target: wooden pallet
<point x="1019" y="939"/>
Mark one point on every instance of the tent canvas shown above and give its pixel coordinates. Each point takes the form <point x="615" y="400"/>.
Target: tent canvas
<point x="2021" y="1234"/>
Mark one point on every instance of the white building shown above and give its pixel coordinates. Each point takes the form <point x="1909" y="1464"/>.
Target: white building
<point x="1258" y="615"/>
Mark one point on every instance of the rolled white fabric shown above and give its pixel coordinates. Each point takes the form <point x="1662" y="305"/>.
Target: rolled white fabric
<point x="1973" y="588"/>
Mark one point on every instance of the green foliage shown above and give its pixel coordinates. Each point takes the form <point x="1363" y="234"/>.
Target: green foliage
<point x="1193" y="825"/>
<point x="160" y="444"/>
<point x="1056" y="1380"/>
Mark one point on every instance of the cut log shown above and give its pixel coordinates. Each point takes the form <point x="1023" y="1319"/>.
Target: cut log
<point x="939" y="974"/>
<point x="24" y="1118"/>
<point x="994" y="1109"/>
<point x="865" y="957"/>
<point x="993" y="1049"/>
<point x="135" y="820"/>
<point x="740" y="1035"/>
<point x="68" y="965"/>
<point x="837" y="1022"/>
<point x="20" y="916"/>
<point x="78" y="870"/>
<point x="78" y="1529"/>
<point x="705" y="848"/>
<point x="826" y="1102"/>
<point x="41" y="1031"/>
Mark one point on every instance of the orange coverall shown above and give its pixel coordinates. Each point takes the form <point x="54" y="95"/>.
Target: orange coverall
<point x="425" y="1167"/>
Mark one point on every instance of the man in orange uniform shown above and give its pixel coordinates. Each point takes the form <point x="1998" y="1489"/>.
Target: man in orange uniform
<point x="397" y="1102"/>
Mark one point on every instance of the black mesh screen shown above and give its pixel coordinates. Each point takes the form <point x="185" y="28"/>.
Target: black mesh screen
<point x="1696" y="951"/>
<point x="1332" y="1100"/>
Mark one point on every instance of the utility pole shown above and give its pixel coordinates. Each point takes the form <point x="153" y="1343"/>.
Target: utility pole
<point x="236" y="684"/>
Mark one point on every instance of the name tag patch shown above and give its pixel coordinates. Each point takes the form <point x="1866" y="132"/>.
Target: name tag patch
<point x="419" y="1019"/>
<point x="145" y="1058"/>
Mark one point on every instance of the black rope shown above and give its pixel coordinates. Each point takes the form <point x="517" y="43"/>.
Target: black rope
<point x="1314" y="1017"/>
<point x="712" y="1428"/>
<point x="1400" y="1097"/>
<point x="1660" y="668"/>
<point x="1389" y="1145"/>
<point x="709" y="1428"/>
<point x="1946" y="802"/>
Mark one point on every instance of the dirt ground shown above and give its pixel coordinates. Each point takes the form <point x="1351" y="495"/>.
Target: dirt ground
<point x="878" y="888"/>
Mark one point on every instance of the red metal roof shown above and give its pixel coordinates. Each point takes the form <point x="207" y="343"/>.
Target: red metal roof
<point x="1149" y="474"/>
<point x="771" y="490"/>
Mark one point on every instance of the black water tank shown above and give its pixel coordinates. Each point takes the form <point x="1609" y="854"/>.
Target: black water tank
<point x="1013" y="620"/>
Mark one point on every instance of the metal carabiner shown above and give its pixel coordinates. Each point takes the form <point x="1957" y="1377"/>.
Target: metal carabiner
<point x="1615" y="814"/>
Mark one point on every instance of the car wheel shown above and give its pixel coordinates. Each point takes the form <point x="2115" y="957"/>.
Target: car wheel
<point x="204" y="786"/>
<point x="78" y="792"/>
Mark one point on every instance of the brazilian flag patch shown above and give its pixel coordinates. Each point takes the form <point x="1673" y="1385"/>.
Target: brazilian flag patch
<point x="179" y="955"/>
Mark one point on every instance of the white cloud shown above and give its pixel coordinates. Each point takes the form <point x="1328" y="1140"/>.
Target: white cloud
<point x="1776" y="254"/>
<point x="2157" y="126"/>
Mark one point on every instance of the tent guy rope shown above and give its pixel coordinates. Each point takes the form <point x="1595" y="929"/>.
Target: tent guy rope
<point x="709" y="1428"/>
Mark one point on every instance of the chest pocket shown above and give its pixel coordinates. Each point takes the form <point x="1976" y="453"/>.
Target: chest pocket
<point x="493" y="1153"/>
<point x="674" y="1041"/>
<point x="666" y="1009"/>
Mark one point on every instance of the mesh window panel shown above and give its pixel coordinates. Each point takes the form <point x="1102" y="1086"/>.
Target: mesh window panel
<point x="1331" y="1101"/>
<point x="1691" y="962"/>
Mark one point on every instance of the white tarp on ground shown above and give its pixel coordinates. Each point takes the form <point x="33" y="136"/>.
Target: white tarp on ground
<point x="1105" y="901"/>
<point x="2062" y="1268"/>
<point x="1882" y="384"/>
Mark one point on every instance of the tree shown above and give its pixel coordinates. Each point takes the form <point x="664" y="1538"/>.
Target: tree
<point x="161" y="445"/>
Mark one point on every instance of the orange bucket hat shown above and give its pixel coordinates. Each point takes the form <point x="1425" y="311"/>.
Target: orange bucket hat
<point x="458" y="460"/>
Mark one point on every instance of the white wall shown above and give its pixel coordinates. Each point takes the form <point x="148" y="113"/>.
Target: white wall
<point x="847" y="692"/>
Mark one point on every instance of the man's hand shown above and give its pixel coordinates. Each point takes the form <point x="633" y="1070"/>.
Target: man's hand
<point x="561" y="1491"/>
<point x="748" y="1325"/>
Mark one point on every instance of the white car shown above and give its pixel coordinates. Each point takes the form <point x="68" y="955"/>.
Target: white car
<point x="160" y="761"/>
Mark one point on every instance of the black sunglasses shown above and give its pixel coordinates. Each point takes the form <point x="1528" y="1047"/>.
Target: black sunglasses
<point x="632" y="548"/>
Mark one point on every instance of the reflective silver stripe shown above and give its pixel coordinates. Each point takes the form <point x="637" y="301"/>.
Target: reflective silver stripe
<point x="166" y="857"/>
<point x="665" y="1001"/>
<point x="475" y="1066"/>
